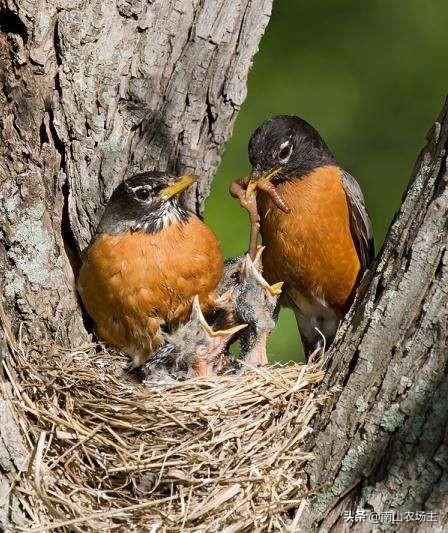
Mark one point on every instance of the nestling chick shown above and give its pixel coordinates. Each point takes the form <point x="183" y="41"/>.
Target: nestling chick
<point x="257" y="304"/>
<point x="252" y="298"/>
<point x="193" y="350"/>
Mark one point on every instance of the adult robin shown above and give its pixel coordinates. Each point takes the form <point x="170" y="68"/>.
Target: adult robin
<point x="195" y="349"/>
<point x="149" y="258"/>
<point x="313" y="222"/>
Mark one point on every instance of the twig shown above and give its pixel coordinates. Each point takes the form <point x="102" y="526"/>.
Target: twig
<point x="213" y="448"/>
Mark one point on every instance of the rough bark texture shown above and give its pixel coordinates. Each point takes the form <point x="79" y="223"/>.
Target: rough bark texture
<point x="91" y="92"/>
<point x="381" y="444"/>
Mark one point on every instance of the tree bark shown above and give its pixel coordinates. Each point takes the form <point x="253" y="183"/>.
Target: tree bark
<point x="91" y="92"/>
<point x="381" y="443"/>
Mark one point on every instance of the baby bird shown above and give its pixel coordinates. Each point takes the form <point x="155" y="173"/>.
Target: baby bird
<point x="193" y="350"/>
<point x="253" y="301"/>
<point x="257" y="304"/>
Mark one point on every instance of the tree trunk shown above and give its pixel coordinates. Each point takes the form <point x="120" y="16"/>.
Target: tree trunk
<point x="381" y="443"/>
<point x="91" y="92"/>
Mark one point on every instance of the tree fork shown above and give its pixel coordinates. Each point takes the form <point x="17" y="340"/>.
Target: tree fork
<point x="381" y="442"/>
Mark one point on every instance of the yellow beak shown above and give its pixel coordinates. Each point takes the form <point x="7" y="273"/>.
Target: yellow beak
<point x="276" y="289"/>
<point x="225" y="332"/>
<point x="248" y="264"/>
<point x="258" y="178"/>
<point x="177" y="187"/>
<point x="197" y="313"/>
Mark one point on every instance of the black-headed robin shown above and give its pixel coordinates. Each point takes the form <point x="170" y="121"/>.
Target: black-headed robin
<point x="195" y="349"/>
<point x="313" y="222"/>
<point x="149" y="258"/>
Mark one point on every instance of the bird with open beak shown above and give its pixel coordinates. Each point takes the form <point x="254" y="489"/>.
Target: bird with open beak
<point x="149" y="257"/>
<point x="257" y="304"/>
<point x="253" y="301"/>
<point x="195" y="349"/>
<point x="313" y="222"/>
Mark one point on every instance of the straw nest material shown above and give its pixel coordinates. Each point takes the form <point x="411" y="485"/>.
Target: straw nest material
<point x="107" y="453"/>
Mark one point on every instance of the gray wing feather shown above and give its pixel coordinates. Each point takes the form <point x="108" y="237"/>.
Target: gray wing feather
<point x="360" y="223"/>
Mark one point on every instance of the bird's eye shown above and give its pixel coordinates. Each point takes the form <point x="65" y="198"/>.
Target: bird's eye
<point x="285" y="152"/>
<point x="142" y="194"/>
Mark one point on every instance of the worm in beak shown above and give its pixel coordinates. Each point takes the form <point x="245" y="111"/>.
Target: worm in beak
<point x="263" y="181"/>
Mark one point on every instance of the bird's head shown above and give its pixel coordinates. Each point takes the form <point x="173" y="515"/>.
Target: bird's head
<point x="149" y="201"/>
<point x="257" y="300"/>
<point x="231" y="276"/>
<point x="196" y="346"/>
<point x="282" y="148"/>
<point x="206" y="343"/>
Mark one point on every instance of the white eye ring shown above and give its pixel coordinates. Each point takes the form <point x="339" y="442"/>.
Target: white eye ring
<point x="142" y="193"/>
<point x="285" y="151"/>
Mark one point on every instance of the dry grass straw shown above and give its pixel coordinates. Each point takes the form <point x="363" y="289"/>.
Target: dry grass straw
<point x="107" y="453"/>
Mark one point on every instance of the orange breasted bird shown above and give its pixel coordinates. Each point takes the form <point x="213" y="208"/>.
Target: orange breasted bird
<point x="149" y="258"/>
<point x="313" y="222"/>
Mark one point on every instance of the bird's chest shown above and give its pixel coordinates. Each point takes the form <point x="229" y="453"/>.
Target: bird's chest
<point x="139" y="274"/>
<point x="311" y="248"/>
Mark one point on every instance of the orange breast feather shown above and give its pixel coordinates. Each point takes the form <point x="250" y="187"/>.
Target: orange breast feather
<point x="311" y="248"/>
<point x="133" y="282"/>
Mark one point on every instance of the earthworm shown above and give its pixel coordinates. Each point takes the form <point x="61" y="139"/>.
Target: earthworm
<point x="254" y="231"/>
<point x="237" y="190"/>
<point x="269" y="188"/>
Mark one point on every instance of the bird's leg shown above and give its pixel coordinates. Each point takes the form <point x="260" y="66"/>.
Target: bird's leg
<point x="314" y="350"/>
<point x="238" y="190"/>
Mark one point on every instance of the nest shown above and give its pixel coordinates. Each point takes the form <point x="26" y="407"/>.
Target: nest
<point x="107" y="453"/>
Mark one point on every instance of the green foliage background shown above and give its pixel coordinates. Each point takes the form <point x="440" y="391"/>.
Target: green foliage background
<point x="370" y="76"/>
